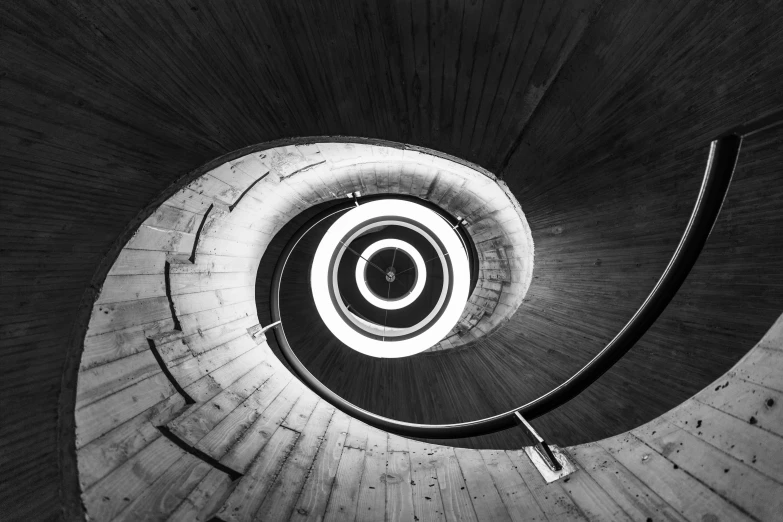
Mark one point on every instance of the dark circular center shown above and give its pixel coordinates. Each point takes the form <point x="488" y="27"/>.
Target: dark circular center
<point x="390" y="273"/>
<point x="405" y="277"/>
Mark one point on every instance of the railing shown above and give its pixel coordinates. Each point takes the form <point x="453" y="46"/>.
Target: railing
<point x="717" y="177"/>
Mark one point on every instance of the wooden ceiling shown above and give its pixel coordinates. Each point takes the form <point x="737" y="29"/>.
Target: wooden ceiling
<point x="597" y="115"/>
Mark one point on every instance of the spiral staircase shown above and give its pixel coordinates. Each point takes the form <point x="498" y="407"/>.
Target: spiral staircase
<point x="158" y="366"/>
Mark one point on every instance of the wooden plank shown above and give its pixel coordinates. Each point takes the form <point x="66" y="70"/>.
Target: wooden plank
<point x="421" y="178"/>
<point x="226" y="226"/>
<point x="191" y="201"/>
<point x="217" y="246"/>
<point x="102" y="381"/>
<point x="314" y="496"/>
<point x="399" y="490"/>
<point x="97" y="418"/>
<point x="457" y="504"/>
<point x="301" y="412"/>
<point x="595" y="503"/>
<point x="168" y="491"/>
<point x="250" y="166"/>
<point x="514" y="493"/>
<point x="108" y="347"/>
<point x="747" y="401"/>
<point x="171" y="218"/>
<point x="218" y="189"/>
<point x="761" y="366"/>
<point x="104" y="454"/>
<point x="372" y="490"/>
<point x="285" y="491"/>
<point x="235" y="177"/>
<point x="231" y="429"/>
<point x="740" y="438"/>
<point x="309" y="187"/>
<point x="485" y="497"/>
<point x="107" y="498"/>
<point x="772" y="340"/>
<point x="505" y="83"/>
<point x="530" y="94"/>
<point x="211" y="299"/>
<point x="208" y="338"/>
<point x="199" y="422"/>
<point x="427" y="503"/>
<point x="636" y="499"/>
<point x="552" y="498"/>
<point x="199" y="282"/>
<point x="215" y="263"/>
<point x="344" y="497"/>
<point x="161" y="240"/>
<point x="212" y="384"/>
<point x="138" y="262"/>
<point x="225" y="363"/>
<point x="119" y="288"/>
<point x="397" y="443"/>
<point x="692" y="499"/>
<point x="270" y="200"/>
<point x="241" y="454"/>
<point x="252" y="488"/>
<point x="738" y="483"/>
<point x="468" y="42"/>
<point x="495" y="23"/>
<point x="205" y="499"/>
<point x="192" y="323"/>
<point x="173" y="350"/>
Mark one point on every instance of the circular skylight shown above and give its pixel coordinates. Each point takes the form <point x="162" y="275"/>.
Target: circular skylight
<point x="409" y="285"/>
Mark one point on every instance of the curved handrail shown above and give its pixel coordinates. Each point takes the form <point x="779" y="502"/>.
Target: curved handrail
<point x="717" y="177"/>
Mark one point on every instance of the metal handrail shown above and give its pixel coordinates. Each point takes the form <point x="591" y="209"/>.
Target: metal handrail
<point x="717" y="177"/>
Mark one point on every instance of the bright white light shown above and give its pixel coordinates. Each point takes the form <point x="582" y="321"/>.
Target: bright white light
<point x="389" y="304"/>
<point x="389" y="209"/>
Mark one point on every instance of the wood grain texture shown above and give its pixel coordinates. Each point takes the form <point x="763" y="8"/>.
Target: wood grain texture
<point x="599" y="129"/>
<point x="251" y="489"/>
<point x="394" y="387"/>
<point x="282" y="497"/>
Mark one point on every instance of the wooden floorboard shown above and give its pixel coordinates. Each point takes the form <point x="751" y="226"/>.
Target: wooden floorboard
<point x="344" y="496"/>
<point x="514" y="494"/>
<point x="284" y="493"/>
<point x="314" y="497"/>
<point x="677" y="488"/>
<point x="630" y="493"/>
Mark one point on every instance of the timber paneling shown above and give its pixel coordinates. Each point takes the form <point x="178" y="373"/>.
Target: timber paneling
<point x="600" y="130"/>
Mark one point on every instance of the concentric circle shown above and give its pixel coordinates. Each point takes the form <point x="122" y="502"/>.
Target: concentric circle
<point x="436" y="294"/>
<point x="363" y="265"/>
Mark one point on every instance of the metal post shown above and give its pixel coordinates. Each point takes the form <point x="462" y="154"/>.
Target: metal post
<point x="541" y="446"/>
<point x="270" y="326"/>
<point x="260" y="335"/>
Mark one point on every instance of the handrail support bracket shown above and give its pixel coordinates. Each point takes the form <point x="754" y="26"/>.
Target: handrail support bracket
<point x="541" y="447"/>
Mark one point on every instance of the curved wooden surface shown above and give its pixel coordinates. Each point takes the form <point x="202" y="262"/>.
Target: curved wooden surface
<point x="226" y="433"/>
<point x="183" y="412"/>
<point x="720" y="168"/>
<point x="594" y="113"/>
